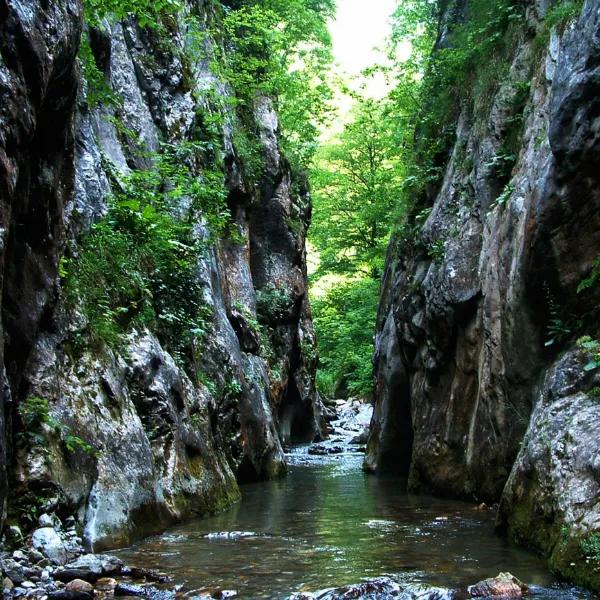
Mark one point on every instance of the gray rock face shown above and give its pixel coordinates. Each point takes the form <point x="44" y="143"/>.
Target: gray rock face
<point x="150" y="443"/>
<point x="460" y="347"/>
<point x="49" y="543"/>
<point x="38" y="44"/>
<point x="551" y="501"/>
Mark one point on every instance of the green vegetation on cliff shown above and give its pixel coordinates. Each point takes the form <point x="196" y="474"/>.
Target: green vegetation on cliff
<point x="137" y="266"/>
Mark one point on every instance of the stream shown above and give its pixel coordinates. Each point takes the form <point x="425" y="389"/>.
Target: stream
<point x="329" y="524"/>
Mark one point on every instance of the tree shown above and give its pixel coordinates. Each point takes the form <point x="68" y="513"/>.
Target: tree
<point x="356" y="181"/>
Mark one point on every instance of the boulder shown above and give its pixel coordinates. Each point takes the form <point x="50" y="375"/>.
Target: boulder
<point x="49" y="543"/>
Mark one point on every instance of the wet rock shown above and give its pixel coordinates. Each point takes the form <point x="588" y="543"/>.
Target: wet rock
<point x="322" y="450"/>
<point x="504" y="585"/>
<point x="99" y="564"/>
<point x="377" y="589"/>
<point x="231" y="535"/>
<point x="138" y="591"/>
<point x="35" y="556"/>
<point x="552" y="498"/>
<point x="66" y="595"/>
<point x="146" y="574"/>
<point x="79" y="586"/>
<point x="361" y="439"/>
<point x="7" y="584"/>
<point x="50" y="544"/>
<point x="66" y="575"/>
<point x="13" y="570"/>
<point x="19" y="555"/>
<point x="130" y="589"/>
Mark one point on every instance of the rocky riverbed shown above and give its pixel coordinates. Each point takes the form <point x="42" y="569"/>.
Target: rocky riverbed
<point x="55" y="567"/>
<point x="287" y="540"/>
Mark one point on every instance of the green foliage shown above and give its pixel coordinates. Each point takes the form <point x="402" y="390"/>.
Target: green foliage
<point x="557" y="17"/>
<point x="356" y="184"/>
<point x="272" y="304"/>
<point x="345" y="325"/>
<point x="592" y="279"/>
<point x="437" y="251"/>
<point x="35" y="418"/>
<point x="591" y="549"/>
<point x="503" y="198"/>
<point x="97" y="88"/>
<point x="137" y="266"/>
<point x="558" y="328"/>
<point x="232" y="388"/>
<point x="592" y="347"/>
<point x="73" y="443"/>
<point x="146" y="12"/>
<point x="279" y="49"/>
<point x="594" y="393"/>
<point x="35" y="415"/>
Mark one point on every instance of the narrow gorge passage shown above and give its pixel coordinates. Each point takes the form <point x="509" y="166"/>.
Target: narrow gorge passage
<point x="299" y="299"/>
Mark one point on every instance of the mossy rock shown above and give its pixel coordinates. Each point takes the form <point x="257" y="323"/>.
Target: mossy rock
<point x="577" y="559"/>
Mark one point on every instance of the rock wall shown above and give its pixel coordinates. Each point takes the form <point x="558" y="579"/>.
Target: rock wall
<point x="477" y="377"/>
<point x="164" y="443"/>
<point x="38" y="85"/>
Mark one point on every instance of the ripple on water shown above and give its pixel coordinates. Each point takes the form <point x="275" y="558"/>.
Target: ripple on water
<point x="328" y="525"/>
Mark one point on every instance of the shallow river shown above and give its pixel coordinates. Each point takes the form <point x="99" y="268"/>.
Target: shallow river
<point x="328" y="524"/>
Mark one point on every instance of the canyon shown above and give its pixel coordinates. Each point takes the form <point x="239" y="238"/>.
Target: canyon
<point x="486" y="382"/>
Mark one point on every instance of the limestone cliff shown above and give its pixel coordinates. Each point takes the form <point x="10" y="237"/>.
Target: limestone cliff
<point x="480" y="387"/>
<point x="135" y="440"/>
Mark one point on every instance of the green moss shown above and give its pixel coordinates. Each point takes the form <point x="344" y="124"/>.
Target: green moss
<point x="576" y="557"/>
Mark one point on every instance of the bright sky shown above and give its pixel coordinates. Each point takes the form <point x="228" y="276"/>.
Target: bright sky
<point x="360" y="26"/>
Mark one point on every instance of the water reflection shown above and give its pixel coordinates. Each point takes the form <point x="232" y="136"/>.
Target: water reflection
<point x="328" y="524"/>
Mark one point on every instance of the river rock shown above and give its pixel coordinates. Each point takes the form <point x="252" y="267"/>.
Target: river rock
<point x="13" y="570"/>
<point x="19" y="555"/>
<point x="50" y="544"/>
<point x="361" y="438"/>
<point x="45" y="520"/>
<point x="231" y="535"/>
<point x="35" y="556"/>
<point x="99" y="564"/>
<point x="377" y="589"/>
<point x="322" y="450"/>
<point x="504" y="585"/>
<point x="66" y="595"/>
<point x="66" y="575"/>
<point x="78" y="585"/>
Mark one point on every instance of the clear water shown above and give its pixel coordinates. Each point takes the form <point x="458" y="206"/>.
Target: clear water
<point x="328" y="524"/>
